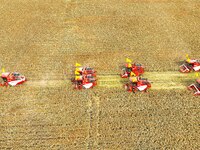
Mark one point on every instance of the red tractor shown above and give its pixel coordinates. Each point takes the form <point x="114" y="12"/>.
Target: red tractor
<point x="195" y="87"/>
<point x="137" y="69"/>
<point x="141" y="84"/>
<point x="12" y="79"/>
<point x="190" y="65"/>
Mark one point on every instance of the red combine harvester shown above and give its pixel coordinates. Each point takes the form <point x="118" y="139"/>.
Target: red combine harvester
<point x="85" y="78"/>
<point x="84" y="82"/>
<point x="140" y="84"/>
<point x="12" y="79"/>
<point x="195" y="87"/>
<point x="190" y="65"/>
<point x="86" y="70"/>
<point x="137" y="69"/>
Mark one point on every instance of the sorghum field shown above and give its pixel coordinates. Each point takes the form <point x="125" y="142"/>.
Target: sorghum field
<point x="43" y="39"/>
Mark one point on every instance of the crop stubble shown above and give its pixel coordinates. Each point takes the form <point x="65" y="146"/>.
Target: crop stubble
<point x="42" y="39"/>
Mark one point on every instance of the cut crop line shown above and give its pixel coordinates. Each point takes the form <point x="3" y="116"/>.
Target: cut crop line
<point x="160" y="80"/>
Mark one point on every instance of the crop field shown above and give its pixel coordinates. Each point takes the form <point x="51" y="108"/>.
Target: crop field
<point x="43" y="39"/>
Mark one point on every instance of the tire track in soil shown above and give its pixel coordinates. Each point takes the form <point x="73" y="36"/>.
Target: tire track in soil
<point x="160" y="80"/>
<point x="95" y="122"/>
<point x="90" y="118"/>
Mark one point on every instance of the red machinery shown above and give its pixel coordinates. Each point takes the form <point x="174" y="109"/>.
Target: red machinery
<point x="12" y="79"/>
<point x="85" y="78"/>
<point x="86" y="70"/>
<point x="141" y="84"/>
<point x="195" y="87"/>
<point x="190" y="65"/>
<point x="137" y="69"/>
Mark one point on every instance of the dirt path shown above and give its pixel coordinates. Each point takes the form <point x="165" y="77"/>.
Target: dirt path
<point x="160" y="80"/>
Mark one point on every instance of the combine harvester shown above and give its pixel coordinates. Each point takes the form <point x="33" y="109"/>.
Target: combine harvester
<point x="137" y="84"/>
<point x="190" y="65"/>
<point x="12" y="79"/>
<point x="195" y="87"/>
<point x="129" y="68"/>
<point x="133" y="72"/>
<point x="85" y="71"/>
<point x="85" y="77"/>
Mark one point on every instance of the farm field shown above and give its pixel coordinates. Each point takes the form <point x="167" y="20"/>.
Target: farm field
<point x="43" y="39"/>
